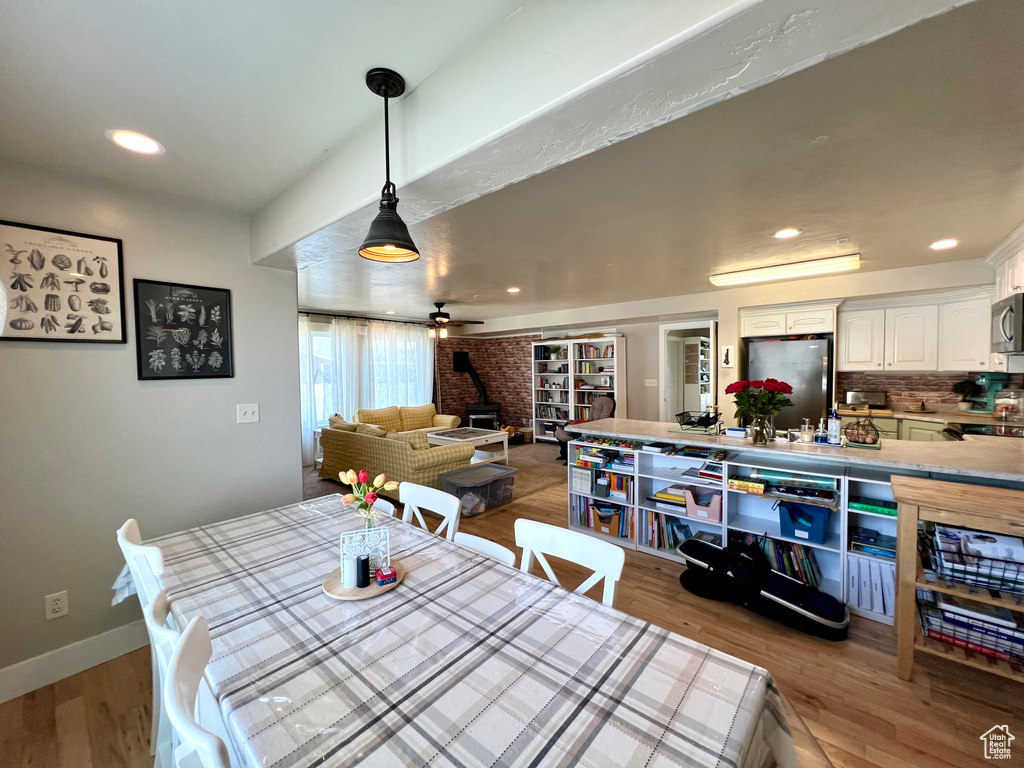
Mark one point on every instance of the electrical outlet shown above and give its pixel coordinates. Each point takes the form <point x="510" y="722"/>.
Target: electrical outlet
<point x="56" y="605"/>
<point x="249" y="413"/>
<point x="650" y="382"/>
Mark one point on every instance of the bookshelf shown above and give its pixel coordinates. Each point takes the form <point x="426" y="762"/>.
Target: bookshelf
<point x="993" y="510"/>
<point x="697" y="373"/>
<point x="569" y="374"/>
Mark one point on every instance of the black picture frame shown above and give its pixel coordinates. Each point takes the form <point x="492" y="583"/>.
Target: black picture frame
<point x="42" y="300"/>
<point x="190" y="325"/>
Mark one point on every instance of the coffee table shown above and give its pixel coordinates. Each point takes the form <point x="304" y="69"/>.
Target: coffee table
<point x="475" y="437"/>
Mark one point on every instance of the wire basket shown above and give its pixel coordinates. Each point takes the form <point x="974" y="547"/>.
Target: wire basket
<point x="944" y="547"/>
<point x="970" y="633"/>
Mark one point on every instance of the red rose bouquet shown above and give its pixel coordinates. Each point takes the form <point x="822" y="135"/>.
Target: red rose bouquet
<point x="761" y="401"/>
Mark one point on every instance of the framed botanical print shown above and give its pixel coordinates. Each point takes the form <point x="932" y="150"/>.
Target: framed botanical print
<point x="60" y="286"/>
<point x="182" y="331"/>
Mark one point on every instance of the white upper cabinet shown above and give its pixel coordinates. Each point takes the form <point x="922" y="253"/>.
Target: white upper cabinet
<point x="964" y="335"/>
<point x="861" y="340"/>
<point x="818" y="320"/>
<point x="1010" y="276"/>
<point x="773" y="324"/>
<point x="912" y="338"/>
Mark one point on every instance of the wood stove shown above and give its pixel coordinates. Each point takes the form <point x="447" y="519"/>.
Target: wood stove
<point x="483" y="414"/>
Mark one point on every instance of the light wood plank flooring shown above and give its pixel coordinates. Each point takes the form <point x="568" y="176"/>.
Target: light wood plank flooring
<point x="847" y="693"/>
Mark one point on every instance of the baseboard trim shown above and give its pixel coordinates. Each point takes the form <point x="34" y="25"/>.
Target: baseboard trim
<point x="31" y="674"/>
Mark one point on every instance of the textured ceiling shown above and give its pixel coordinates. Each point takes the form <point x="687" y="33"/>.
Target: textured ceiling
<point x="246" y="97"/>
<point x="896" y="144"/>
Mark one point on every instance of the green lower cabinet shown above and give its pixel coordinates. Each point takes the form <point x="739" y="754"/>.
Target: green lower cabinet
<point x="921" y="430"/>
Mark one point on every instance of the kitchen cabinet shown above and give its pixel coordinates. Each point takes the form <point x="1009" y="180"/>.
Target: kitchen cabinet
<point x="818" y="320"/>
<point x="773" y="324"/>
<point x="912" y="338"/>
<point x="861" y="340"/>
<point x="1010" y="276"/>
<point x="964" y="335"/>
<point x="926" y="431"/>
<point x="781" y="322"/>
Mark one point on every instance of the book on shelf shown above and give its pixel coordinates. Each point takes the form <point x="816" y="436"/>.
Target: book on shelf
<point x="657" y="447"/>
<point x="983" y="612"/>
<point x="676" y="493"/>
<point x="711" y="470"/>
<point x="794" y="560"/>
<point x="963" y="556"/>
<point x="709" y="536"/>
<point x="694" y="452"/>
<point x="871" y="542"/>
<point x="878" y="506"/>
<point x="779" y="477"/>
<point x="745" y="484"/>
<point x="867" y="549"/>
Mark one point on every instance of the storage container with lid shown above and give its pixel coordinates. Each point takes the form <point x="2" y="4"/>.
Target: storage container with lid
<point x="1009" y="404"/>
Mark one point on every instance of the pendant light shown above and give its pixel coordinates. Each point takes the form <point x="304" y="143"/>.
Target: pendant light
<point x="388" y="239"/>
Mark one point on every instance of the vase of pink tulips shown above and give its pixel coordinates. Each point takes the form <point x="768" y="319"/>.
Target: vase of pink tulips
<point x="365" y="492"/>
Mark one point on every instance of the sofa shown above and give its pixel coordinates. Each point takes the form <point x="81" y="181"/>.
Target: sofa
<point x="402" y="454"/>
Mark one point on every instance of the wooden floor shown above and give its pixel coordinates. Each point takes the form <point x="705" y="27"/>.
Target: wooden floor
<point x="847" y="693"/>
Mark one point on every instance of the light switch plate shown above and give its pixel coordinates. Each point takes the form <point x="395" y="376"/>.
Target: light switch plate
<point x="248" y="413"/>
<point x="650" y="382"/>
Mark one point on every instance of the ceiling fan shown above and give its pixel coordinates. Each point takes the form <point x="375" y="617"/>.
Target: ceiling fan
<point x="441" y="321"/>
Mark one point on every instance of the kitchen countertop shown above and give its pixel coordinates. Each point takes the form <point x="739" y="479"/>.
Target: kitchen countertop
<point x="939" y="417"/>
<point x="991" y="458"/>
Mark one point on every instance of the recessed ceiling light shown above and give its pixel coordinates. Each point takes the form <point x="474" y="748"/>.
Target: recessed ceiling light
<point x="788" y="232"/>
<point x="389" y="312"/>
<point x="135" y="142"/>
<point x="788" y="271"/>
<point x="513" y="290"/>
<point x="943" y="245"/>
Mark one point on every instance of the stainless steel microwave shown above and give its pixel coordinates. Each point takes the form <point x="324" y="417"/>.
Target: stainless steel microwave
<point x="1008" y="325"/>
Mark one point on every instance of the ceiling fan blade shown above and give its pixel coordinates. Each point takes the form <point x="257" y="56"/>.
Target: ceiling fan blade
<point x="460" y="323"/>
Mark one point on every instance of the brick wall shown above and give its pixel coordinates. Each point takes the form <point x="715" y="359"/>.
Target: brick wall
<point x="504" y="367"/>
<point x="908" y="388"/>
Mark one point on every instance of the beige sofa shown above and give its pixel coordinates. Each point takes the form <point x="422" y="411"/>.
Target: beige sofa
<point x="402" y="454"/>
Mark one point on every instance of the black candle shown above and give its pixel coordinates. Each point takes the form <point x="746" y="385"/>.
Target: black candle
<point x="363" y="571"/>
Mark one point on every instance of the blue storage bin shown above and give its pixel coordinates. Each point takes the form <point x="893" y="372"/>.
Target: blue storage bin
<point x="804" y="522"/>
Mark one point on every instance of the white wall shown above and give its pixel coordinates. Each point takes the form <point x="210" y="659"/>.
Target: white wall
<point x="85" y="445"/>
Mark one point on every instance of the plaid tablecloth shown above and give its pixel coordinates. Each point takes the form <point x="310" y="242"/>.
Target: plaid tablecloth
<point x="466" y="663"/>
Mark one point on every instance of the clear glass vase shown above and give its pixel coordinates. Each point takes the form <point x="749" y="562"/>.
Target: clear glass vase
<point x="762" y="429"/>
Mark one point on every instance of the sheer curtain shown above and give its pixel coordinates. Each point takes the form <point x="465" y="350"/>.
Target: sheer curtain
<point x="348" y="364"/>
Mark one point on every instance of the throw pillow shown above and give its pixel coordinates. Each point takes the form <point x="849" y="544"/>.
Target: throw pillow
<point x="418" y="440"/>
<point x="371" y="430"/>
<point x="388" y="418"/>
<point x="417" y="417"/>
<point x="338" y="422"/>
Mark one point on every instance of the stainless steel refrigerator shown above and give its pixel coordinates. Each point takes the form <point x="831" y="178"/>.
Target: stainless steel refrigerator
<point x="805" y="365"/>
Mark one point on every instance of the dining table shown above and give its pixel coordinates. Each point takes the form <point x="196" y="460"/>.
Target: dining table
<point x="466" y="662"/>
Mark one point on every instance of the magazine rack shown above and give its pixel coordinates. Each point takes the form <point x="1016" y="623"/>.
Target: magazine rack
<point x="993" y="510"/>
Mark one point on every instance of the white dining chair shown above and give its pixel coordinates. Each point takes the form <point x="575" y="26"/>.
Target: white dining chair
<point x="418" y="497"/>
<point x="602" y="557"/>
<point x="385" y="507"/>
<point x="145" y="563"/>
<point x="163" y="637"/>
<point x="486" y="547"/>
<point x="198" y="747"/>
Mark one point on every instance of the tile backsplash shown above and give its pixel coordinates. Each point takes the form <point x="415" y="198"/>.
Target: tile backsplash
<point x="909" y="388"/>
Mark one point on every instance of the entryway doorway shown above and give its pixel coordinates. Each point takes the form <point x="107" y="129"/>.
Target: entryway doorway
<point x="688" y="355"/>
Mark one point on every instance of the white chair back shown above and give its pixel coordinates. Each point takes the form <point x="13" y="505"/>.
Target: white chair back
<point x="385" y="507"/>
<point x="184" y="679"/>
<point x="162" y="638"/>
<point x="486" y="547"/>
<point x="418" y="497"/>
<point x="602" y="557"/>
<point x="145" y="562"/>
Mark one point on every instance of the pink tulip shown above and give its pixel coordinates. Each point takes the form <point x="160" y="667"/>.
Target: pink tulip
<point x="363" y="476"/>
<point x="348" y="498"/>
<point x="391" y="485"/>
<point x="352" y="478"/>
<point x="370" y="498"/>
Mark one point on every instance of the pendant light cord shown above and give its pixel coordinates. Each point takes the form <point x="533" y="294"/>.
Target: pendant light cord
<point x="389" y="192"/>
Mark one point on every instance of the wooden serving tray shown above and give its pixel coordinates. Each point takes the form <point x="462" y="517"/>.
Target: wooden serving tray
<point x="333" y="587"/>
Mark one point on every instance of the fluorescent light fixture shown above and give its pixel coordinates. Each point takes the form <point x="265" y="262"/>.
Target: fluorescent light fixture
<point x="389" y="312"/>
<point x="943" y="245"/>
<point x="135" y="142"/>
<point x="786" y="233"/>
<point x="789" y="271"/>
<point x="513" y="290"/>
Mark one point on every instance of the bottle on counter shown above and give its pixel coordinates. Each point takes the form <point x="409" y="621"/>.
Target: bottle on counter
<point x="834" y="427"/>
<point x="821" y="436"/>
<point x="807" y="432"/>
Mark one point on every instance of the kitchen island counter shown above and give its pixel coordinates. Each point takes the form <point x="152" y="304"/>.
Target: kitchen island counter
<point x="987" y="458"/>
